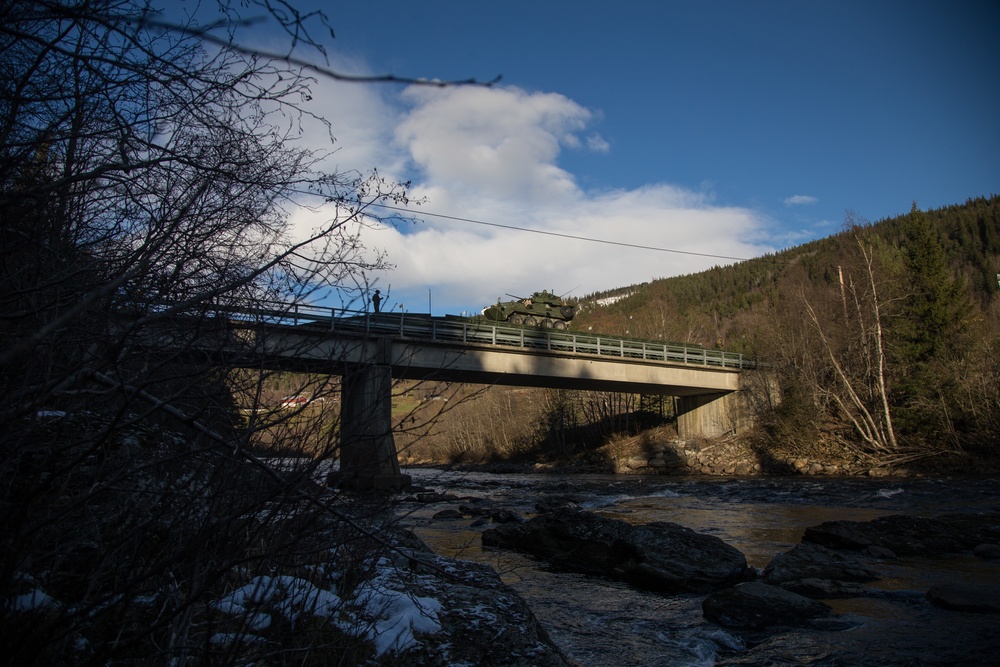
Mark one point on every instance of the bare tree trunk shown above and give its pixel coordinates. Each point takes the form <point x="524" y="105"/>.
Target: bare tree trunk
<point x="853" y="407"/>
<point x="863" y="398"/>
<point x="879" y="350"/>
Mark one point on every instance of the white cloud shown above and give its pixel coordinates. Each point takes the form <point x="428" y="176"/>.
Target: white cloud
<point x="362" y="119"/>
<point x="798" y="200"/>
<point x="596" y="143"/>
<point x="493" y="142"/>
<point x="491" y="154"/>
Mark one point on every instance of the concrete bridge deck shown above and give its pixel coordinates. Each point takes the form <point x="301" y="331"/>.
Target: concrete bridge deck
<point x="424" y="348"/>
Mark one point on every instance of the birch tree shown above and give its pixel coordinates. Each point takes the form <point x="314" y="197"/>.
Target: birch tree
<point x="856" y="378"/>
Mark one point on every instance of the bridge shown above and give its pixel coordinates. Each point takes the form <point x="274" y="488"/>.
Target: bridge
<point x="369" y="350"/>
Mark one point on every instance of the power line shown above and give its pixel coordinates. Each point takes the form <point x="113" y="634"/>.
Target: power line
<point x="560" y="235"/>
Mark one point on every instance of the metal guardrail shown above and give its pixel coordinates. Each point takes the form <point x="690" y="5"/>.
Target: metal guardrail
<point x="437" y="329"/>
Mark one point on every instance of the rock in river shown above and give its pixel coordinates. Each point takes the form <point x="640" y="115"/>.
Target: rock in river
<point x="755" y="605"/>
<point x="659" y="556"/>
<point x="818" y="572"/>
<point x="910" y="535"/>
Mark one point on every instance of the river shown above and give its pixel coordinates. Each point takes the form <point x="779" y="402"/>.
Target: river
<point x="602" y="623"/>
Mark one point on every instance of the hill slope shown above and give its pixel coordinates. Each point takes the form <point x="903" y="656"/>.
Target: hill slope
<point x="709" y="307"/>
<point x="883" y="336"/>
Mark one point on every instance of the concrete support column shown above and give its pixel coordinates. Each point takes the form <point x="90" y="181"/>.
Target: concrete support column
<point x="367" y="449"/>
<point x="707" y="415"/>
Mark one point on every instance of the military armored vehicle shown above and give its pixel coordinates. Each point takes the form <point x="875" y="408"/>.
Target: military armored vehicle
<point x="541" y="309"/>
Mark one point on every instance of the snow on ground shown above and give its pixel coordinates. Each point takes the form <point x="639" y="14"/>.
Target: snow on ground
<point x="433" y="609"/>
<point x="396" y="614"/>
<point x="381" y="610"/>
<point x="608" y="300"/>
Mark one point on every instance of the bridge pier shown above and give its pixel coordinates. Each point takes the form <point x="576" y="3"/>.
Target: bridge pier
<point x="367" y="449"/>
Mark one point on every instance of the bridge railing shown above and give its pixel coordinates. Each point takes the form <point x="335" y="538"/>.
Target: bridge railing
<point x="424" y="327"/>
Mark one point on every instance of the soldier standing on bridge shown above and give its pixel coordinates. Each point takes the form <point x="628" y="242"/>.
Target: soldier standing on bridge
<point x="376" y="300"/>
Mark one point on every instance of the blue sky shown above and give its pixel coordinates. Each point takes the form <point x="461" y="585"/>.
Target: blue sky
<point x="719" y="128"/>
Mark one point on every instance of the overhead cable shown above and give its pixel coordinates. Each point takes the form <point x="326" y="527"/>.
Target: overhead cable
<point x="559" y="234"/>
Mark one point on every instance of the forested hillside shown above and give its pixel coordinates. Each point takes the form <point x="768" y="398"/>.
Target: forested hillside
<point x="884" y="337"/>
<point x="707" y="307"/>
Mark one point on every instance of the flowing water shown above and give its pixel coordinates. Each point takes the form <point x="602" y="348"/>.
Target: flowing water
<point x="607" y="623"/>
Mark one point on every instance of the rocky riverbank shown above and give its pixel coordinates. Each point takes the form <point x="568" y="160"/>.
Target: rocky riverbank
<point x="676" y="457"/>
<point x="660" y="452"/>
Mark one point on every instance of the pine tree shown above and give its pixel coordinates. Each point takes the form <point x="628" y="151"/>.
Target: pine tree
<point x="934" y="314"/>
<point x="938" y="303"/>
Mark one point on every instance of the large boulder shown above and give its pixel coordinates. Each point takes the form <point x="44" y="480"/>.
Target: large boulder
<point x="473" y="604"/>
<point x="812" y="561"/>
<point x="910" y="535"/>
<point x="672" y="558"/>
<point x="660" y="556"/>
<point x="570" y="538"/>
<point x="755" y="605"/>
<point x="818" y="572"/>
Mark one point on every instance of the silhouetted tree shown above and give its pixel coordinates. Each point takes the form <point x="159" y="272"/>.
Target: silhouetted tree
<point x="148" y="171"/>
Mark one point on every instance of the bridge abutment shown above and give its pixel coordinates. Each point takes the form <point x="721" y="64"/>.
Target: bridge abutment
<point x="708" y="415"/>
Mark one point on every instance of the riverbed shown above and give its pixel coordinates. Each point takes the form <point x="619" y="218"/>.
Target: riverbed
<point x="602" y="623"/>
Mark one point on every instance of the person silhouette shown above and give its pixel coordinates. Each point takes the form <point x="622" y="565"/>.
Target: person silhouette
<point x="376" y="300"/>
